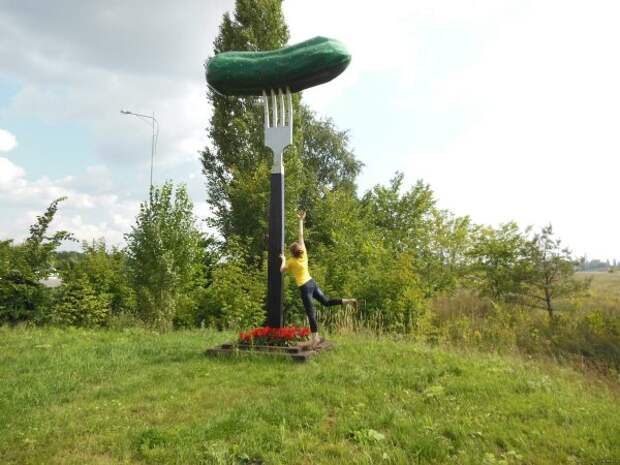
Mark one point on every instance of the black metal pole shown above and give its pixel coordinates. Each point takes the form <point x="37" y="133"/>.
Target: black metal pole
<point x="275" y="309"/>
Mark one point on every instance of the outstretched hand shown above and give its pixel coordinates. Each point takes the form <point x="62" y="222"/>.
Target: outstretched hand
<point x="301" y="215"/>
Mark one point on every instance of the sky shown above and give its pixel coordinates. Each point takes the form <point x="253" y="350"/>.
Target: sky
<point x="508" y="109"/>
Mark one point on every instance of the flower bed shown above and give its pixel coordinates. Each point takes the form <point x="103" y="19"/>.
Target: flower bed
<point x="267" y="336"/>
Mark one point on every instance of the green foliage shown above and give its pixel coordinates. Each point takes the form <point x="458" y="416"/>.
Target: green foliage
<point x="165" y="256"/>
<point x="23" y="266"/>
<point x="96" y="287"/>
<point x="108" y="275"/>
<point x="39" y="247"/>
<point x="499" y="261"/>
<point x="410" y="223"/>
<point x="367" y="436"/>
<point x="327" y="159"/>
<point x="80" y="304"/>
<point x="550" y="272"/>
<point x="509" y="266"/>
<point x="235" y="298"/>
<point x="390" y="249"/>
<point x="585" y="332"/>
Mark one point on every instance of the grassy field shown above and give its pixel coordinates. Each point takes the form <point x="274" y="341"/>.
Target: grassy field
<point x="604" y="282"/>
<point x="135" y="397"/>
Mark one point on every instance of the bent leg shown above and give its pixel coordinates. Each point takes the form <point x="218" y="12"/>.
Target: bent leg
<point x="306" y="297"/>
<point x="318" y="295"/>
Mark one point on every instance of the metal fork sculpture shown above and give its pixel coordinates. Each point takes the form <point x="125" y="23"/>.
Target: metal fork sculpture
<point x="278" y="135"/>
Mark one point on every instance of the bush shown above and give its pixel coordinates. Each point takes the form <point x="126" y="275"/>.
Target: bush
<point x="581" y="334"/>
<point x="95" y="287"/>
<point x="591" y="338"/>
<point x="80" y="305"/>
<point x="235" y="299"/>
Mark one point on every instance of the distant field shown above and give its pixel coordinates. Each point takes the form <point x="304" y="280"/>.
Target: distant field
<point x="135" y="397"/>
<point x="604" y="293"/>
<point x="604" y="282"/>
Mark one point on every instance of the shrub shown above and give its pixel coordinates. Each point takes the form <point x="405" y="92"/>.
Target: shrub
<point x="580" y="333"/>
<point x="80" y="305"/>
<point x="235" y="298"/>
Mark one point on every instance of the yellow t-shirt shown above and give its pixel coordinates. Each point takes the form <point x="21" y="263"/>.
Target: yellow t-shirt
<point x="299" y="268"/>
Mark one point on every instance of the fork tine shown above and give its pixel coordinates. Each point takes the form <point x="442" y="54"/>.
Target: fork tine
<point x="274" y="109"/>
<point x="290" y="107"/>
<point x="282" y="121"/>
<point x="266" y="105"/>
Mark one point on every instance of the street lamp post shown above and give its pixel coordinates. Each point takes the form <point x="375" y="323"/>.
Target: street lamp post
<point x="153" y="137"/>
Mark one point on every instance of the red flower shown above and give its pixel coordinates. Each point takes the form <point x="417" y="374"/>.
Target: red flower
<point x="275" y="336"/>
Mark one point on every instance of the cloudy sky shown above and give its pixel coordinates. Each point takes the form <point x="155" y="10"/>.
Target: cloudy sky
<point x="509" y="109"/>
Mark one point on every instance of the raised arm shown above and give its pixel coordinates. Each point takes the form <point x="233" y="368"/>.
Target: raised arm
<point x="302" y="216"/>
<point x="282" y="263"/>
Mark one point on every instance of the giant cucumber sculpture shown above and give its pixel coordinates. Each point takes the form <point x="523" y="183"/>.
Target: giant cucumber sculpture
<point x="297" y="67"/>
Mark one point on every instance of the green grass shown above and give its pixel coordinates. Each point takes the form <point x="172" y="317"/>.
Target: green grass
<point x="604" y="283"/>
<point x="108" y="397"/>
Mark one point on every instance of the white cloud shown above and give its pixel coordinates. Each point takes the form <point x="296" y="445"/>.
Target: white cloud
<point x="10" y="173"/>
<point x="87" y="216"/>
<point x="7" y="141"/>
<point x="85" y="71"/>
<point x="540" y="144"/>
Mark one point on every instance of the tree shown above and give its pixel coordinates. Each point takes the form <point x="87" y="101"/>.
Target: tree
<point x="23" y="266"/>
<point x="410" y="223"/>
<point x="512" y="266"/>
<point x="499" y="261"/>
<point x="39" y="248"/>
<point x="551" y="272"/>
<point x="327" y="159"/>
<point x="165" y="255"/>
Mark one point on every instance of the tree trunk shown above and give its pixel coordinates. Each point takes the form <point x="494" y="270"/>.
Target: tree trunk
<point x="549" y="303"/>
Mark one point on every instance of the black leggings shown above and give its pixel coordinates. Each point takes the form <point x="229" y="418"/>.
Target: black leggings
<point x="310" y="290"/>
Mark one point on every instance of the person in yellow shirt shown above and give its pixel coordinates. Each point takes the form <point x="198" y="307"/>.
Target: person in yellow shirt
<point x="297" y="265"/>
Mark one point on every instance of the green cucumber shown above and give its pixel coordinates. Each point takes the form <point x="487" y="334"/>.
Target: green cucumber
<point x="297" y="67"/>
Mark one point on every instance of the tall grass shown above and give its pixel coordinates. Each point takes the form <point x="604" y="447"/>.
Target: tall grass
<point x="586" y="331"/>
<point x="346" y="319"/>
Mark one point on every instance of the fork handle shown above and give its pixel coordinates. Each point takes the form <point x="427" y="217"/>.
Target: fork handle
<point x="275" y="310"/>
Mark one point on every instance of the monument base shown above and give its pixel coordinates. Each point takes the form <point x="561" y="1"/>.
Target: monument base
<point x="299" y="353"/>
